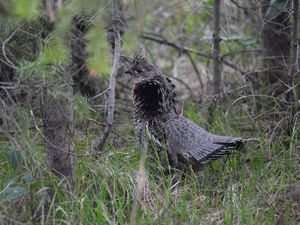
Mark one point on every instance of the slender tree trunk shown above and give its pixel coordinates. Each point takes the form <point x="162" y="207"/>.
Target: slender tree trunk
<point x="275" y="41"/>
<point x="115" y="32"/>
<point x="216" y="48"/>
<point x="216" y="60"/>
<point x="294" y="58"/>
<point x="57" y="115"/>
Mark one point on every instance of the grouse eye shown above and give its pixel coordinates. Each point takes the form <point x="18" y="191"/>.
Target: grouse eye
<point x="138" y="70"/>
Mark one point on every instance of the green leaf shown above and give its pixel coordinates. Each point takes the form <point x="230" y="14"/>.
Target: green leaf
<point x="12" y="193"/>
<point x="248" y="41"/>
<point x="13" y="156"/>
<point x="276" y="8"/>
<point x="28" y="177"/>
<point x="26" y="9"/>
<point x="240" y="40"/>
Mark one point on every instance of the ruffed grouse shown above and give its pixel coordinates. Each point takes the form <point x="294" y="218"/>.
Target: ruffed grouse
<point x="173" y="138"/>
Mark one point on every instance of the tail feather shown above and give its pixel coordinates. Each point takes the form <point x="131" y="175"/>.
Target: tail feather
<point x="227" y="148"/>
<point x="222" y="150"/>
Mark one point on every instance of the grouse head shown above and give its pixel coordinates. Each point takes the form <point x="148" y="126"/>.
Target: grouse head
<point x="153" y="92"/>
<point x="141" y="69"/>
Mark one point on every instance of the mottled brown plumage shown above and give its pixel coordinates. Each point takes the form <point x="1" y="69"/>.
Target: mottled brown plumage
<point x="172" y="137"/>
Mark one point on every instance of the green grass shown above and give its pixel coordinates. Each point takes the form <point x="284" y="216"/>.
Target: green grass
<point x="240" y="189"/>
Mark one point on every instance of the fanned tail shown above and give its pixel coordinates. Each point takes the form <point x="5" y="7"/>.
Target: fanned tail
<point x="222" y="149"/>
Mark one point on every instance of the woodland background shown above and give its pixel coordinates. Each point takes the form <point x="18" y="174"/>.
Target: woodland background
<point x="68" y="154"/>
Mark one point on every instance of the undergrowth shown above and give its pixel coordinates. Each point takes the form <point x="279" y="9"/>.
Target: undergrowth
<point x="245" y="188"/>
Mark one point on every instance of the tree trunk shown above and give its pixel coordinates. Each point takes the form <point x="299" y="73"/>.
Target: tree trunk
<point x="294" y="59"/>
<point x="57" y="115"/>
<point x="275" y="41"/>
<point x="216" y="61"/>
<point x="216" y="48"/>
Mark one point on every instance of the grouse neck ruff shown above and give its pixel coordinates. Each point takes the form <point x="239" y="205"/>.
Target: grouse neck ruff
<point x="150" y="99"/>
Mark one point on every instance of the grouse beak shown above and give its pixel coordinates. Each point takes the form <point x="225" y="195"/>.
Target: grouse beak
<point x="129" y="72"/>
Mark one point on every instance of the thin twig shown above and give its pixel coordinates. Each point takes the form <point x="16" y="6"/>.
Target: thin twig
<point x="184" y="50"/>
<point x="8" y="61"/>
<point x="114" y="132"/>
<point x="196" y="70"/>
<point x="96" y="96"/>
<point x="112" y="79"/>
<point x="243" y="51"/>
<point x="36" y="126"/>
<point x="244" y="7"/>
<point x="183" y="83"/>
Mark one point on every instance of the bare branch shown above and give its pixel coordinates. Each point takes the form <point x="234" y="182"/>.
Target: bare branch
<point x="184" y="50"/>
<point x="114" y="132"/>
<point x="8" y="61"/>
<point x="112" y="78"/>
<point x="196" y="70"/>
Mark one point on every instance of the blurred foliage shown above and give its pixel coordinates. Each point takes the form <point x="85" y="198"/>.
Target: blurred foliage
<point x="53" y="48"/>
<point x="13" y="156"/>
<point x="54" y="51"/>
<point x="276" y="7"/>
<point x="82" y="108"/>
<point x="99" y="62"/>
<point x="130" y="41"/>
<point x="13" y="192"/>
<point x="26" y="9"/>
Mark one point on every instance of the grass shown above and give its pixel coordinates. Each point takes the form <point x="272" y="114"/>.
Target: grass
<point x="240" y="189"/>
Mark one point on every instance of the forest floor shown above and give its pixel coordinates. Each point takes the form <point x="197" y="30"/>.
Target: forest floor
<point x="259" y="186"/>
